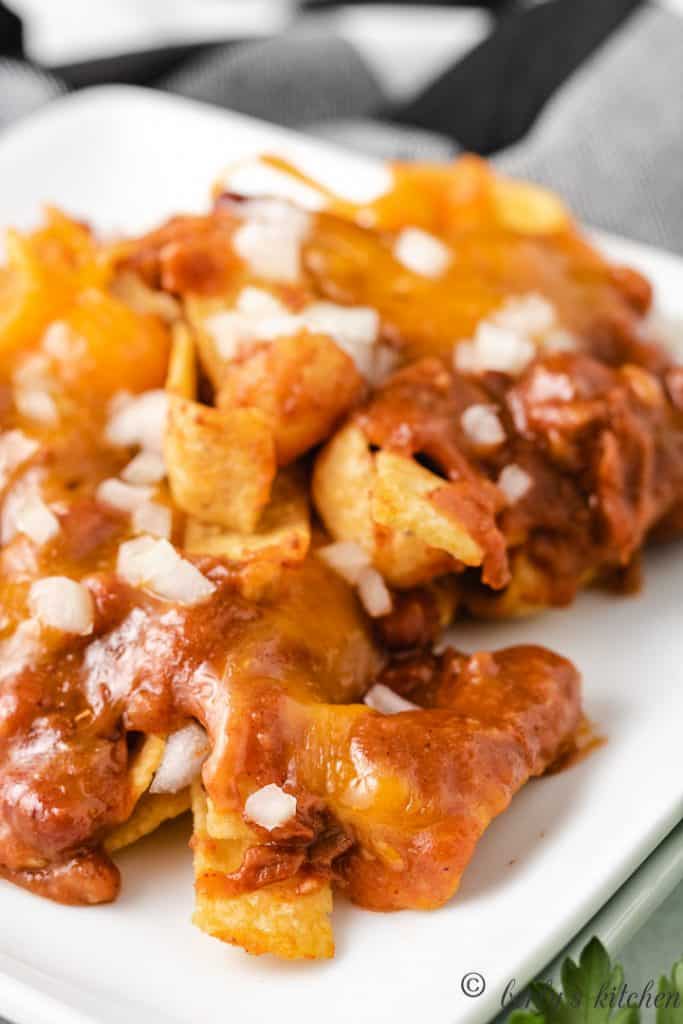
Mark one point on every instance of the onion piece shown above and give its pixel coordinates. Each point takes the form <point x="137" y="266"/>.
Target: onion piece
<point x="259" y="316"/>
<point x="59" y="342"/>
<point x="122" y="496"/>
<point x="494" y="349"/>
<point x="547" y="386"/>
<point x="36" y="404"/>
<point x="482" y="425"/>
<point x="146" y="468"/>
<point x="345" y="557"/>
<point x="560" y="340"/>
<point x="355" y="329"/>
<point x="269" y="241"/>
<point x="421" y="252"/>
<point x="270" y="807"/>
<point x="255" y="178"/>
<point x="258" y="303"/>
<point x="62" y="603"/>
<point x="152" y="518"/>
<point x="383" y="699"/>
<point x="35" y="520"/>
<point x="157" y="565"/>
<point x="231" y="330"/>
<point x="15" y="448"/>
<point x="529" y="314"/>
<point x="139" y="421"/>
<point x="374" y="594"/>
<point x="184" y="754"/>
<point x="20" y="650"/>
<point x="514" y="482"/>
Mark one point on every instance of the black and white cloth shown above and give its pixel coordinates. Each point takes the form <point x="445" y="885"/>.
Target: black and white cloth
<point x="583" y="95"/>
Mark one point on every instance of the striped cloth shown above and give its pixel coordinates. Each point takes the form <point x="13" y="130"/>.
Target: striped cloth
<point x="585" y="96"/>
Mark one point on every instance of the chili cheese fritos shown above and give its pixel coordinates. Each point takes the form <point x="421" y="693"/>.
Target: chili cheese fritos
<point x="252" y="465"/>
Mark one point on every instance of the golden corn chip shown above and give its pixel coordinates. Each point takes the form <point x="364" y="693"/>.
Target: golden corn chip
<point x="182" y="367"/>
<point x="221" y="464"/>
<point x="288" y="919"/>
<point x="447" y="594"/>
<point x="529" y="592"/>
<point x="226" y="826"/>
<point x="401" y="499"/>
<point x="303" y="382"/>
<point x="282" y="533"/>
<point x="144" y="764"/>
<point x="151" y="812"/>
<point x="197" y="309"/>
<point x="346" y="466"/>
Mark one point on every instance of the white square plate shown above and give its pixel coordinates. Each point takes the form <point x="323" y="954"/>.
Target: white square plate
<point x="125" y="158"/>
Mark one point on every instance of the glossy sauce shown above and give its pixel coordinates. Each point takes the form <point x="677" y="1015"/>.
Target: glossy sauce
<point x="390" y="806"/>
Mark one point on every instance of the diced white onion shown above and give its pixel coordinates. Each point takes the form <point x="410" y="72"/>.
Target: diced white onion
<point x="494" y="349"/>
<point x="184" y="754"/>
<point x="253" y="177"/>
<point x="145" y="468"/>
<point x="23" y="491"/>
<point x="156" y="564"/>
<point x="482" y="425"/>
<point x="374" y="594"/>
<point x="35" y="520"/>
<point x="139" y="421"/>
<point x="60" y="342"/>
<point x="530" y="314"/>
<point x="355" y="329"/>
<point x="154" y="519"/>
<point x="382" y="698"/>
<point x="270" y="241"/>
<point x="347" y="558"/>
<point x="258" y="303"/>
<point x="231" y="330"/>
<point x="550" y="387"/>
<point x="55" y="340"/>
<point x="36" y="404"/>
<point x="20" y="650"/>
<point x="123" y="496"/>
<point x="347" y="325"/>
<point x="15" y="448"/>
<point x="270" y="807"/>
<point x="266" y="253"/>
<point x="421" y="252"/>
<point x="258" y="316"/>
<point x="507" y="340"/>
<point x="559" y="340"/>
<point x="514" y="482"/>
<point x="63" y="604"/>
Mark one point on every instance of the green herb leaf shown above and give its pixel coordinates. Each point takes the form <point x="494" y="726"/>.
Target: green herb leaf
<point x="525" y="1017"/>
<point x="590" y="994"/>
<point x="670" y="996"/>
